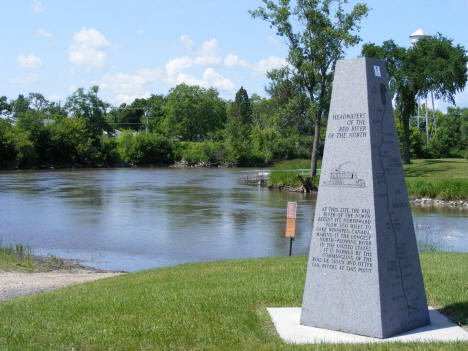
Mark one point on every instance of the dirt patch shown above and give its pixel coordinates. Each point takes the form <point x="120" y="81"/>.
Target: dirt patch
<point x="16" y="284"/>
<point x="50" y="273"/>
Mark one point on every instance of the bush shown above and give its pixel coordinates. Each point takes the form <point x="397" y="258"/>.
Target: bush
<point x="7" y="145"/>
<point x="109" y="153"/>
<point x="25" y="151"/>
<point x="145" y="149"/>
<point x="206" y="151"/>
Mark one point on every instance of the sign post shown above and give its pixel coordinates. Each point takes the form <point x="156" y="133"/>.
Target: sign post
<point x="291" y="224"/>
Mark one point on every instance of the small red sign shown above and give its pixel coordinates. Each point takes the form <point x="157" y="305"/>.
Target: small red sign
<point x="292" y="209"/>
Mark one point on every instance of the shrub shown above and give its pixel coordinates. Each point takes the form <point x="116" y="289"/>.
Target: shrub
<point x="145" y="149"/>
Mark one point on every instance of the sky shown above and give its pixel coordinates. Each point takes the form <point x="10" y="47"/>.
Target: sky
<point x="132" y="49"/>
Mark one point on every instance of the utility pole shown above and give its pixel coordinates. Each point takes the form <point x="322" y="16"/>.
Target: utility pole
<point x="145" y="113"/>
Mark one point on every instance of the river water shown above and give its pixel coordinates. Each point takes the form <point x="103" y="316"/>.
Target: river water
<point x="133" y="219"/>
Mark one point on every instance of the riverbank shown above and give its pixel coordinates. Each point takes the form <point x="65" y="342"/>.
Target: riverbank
<point x="14" y="284"/>
<point x="423" y="202"/>
<point x="19" y="258"/>
<point x="25" y="274"/>
<point x="444" y="181"/>
<point x="215" y="305"/>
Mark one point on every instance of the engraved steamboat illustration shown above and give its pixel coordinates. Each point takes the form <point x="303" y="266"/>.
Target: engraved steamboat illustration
<point x="345" y="176"/>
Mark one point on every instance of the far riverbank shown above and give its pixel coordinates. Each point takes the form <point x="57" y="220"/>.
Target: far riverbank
<point x="430" y="183"/>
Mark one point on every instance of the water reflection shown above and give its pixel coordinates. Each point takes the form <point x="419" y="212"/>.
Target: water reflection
<point x="134" y="219"/>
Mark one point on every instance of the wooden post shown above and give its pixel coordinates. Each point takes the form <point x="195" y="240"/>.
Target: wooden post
<point x="291" y="224"/>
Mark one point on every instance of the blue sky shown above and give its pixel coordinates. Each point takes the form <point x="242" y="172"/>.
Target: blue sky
<point x="137" y="48"/>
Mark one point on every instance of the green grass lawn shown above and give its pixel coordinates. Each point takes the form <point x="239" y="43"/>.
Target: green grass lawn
<point x="445" y="179"/>
<point x="439" y="168"/>
<point x="204" y="306"/>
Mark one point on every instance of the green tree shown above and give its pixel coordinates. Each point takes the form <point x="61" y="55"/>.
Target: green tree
<point x="71" y="142"/>
<point x="433" y="64"/>
<point x="7" y="145"/>
<point x="20" y="105"/>
<point x="91" y="108"/>
<point x="38" y="102"/>
<point x="145" y="149"/>
<point x="291" y="104"/>
<point x="241" y="109"/>
<point x="192" y="113"/>
<point x="464" y="131"/>
<point x="317" y="32"/>
<point x="5" y="107"/>
<point x="155" y="105"/>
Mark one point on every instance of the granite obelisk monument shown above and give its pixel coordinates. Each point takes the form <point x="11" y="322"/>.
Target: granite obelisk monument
<point x="363" y="273"/>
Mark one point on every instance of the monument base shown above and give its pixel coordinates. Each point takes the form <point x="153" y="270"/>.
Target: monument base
<point x="286" y="321"/>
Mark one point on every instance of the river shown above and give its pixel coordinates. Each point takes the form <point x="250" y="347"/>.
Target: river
<point x="133" y="219"/>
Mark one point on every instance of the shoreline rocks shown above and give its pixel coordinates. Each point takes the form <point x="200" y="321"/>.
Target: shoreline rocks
<point x="200" y="164"/>
<point x="428" y="202"/>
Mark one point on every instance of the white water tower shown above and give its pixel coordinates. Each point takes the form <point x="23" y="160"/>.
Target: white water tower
<point x="414" y="38"/>
<point x="419" y="34"/>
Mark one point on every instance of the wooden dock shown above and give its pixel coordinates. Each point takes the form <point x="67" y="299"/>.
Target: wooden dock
<point x="257" y="177"/>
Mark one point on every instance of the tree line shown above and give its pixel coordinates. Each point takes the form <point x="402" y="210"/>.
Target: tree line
<point x="190" y="124"/>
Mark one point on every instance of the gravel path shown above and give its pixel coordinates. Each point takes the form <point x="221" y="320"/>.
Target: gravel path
<point x="15" y="284"/>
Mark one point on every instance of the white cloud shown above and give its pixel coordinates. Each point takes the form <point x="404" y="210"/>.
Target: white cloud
<point x="124" y="83"/>
<point x="140" y="32"/>
<point x="90" y="38"/>
<point x="42" y="33"/>
<point x="28" y="61"/>
<point x="184" y="39"/>
<point x="37" y="6"/>
<point x="88" y="48"/>
<point x="232" y="60"/>
<point x="127" y="87"/>
<point x="208" y="54"/>
<point x="183" y="78"/>
<point x="177" y="65"/>
<point x="216" y="80"/>
<point x="127" y="99"/>
<point x="272" y="62"/>
<point x="31" y="78"/>
<point x="210" y="79"/>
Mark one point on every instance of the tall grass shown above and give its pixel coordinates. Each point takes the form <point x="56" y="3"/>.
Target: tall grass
<point x="438" y="188"/>
<point x="283" y="173"/>
<point x="15" y="257"/>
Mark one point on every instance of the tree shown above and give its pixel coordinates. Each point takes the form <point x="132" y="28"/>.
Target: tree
<point x="89" y="107"/>
<point x="20" y="105"/>
<point x="432" y="64"/>
<point x="71" y="142"/>
<point x="38" y="102"/>
<point x="464" y="127"/>
<point x="5" y="107"/>
<point x="7" y="145"/>
<point x="241" y="110"/>
<point x="290" y="103"/>
<point x="192" y="113"/>
<point x="317" y="32"/>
